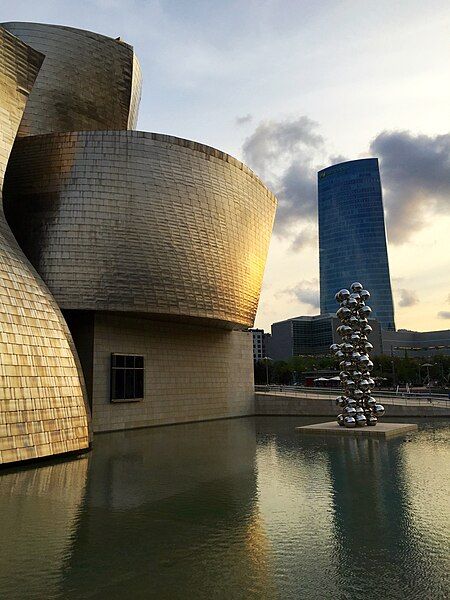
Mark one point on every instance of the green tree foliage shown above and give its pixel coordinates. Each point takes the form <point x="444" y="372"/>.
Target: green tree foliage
<point x="392" y="371"/>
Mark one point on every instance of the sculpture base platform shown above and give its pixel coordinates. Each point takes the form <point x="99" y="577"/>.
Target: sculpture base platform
<point x="380" y="430"/>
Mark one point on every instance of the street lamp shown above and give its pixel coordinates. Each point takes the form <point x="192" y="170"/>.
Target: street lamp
<point x="427" y="365"/>
<point x="266" y="361"/>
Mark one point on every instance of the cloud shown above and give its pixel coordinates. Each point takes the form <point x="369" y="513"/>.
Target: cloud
<point x="285" y="154"/>
<point x="307" y="237"/>
<point x="415" y="172"/>
<point x="244" y="119"/>
<point x="444" y="314"/>
<point x="407" y="298"/>
<point x="306" y="292"/>
<point x="448" y="298"/>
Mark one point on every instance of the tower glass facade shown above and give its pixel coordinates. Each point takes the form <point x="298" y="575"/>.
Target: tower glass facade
<point x="352" y="236"/>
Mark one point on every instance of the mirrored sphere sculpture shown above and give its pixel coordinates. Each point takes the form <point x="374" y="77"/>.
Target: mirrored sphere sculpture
<point x="358" y="407"/>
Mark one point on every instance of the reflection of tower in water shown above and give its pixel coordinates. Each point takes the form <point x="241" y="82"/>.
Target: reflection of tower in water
<point x="376" y="538"/>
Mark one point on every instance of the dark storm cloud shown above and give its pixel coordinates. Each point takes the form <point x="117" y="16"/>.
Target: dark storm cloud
<point x="283" y="153"/>
<point x="244" y="119"/>
<point x="306" y="292"/>
<point x="407" y="298"/>
<point x="307" y="237"/>
<point x="415" y="171"/>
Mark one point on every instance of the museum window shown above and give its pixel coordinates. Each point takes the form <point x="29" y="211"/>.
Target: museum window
<point x="127" y="378"/>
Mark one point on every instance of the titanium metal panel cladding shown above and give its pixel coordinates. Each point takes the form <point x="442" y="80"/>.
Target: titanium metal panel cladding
<point x="42" y="402"/>
<point x="87" y="82"/>
<point x="143" y="223"/>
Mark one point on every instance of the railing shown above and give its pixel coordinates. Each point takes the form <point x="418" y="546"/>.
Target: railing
<point x="399" y="398"/>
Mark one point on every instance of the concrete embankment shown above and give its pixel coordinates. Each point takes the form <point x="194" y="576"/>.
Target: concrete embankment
<point x="272" y="404"/>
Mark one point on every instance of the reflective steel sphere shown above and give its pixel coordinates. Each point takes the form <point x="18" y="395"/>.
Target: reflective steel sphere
<point x="360" y="420"/>
<point x="340" y="420"/>
<point x="365" y="311"/>
<point x="352" y="302"/>
<point x="364" y="385"/>
<point x="350" y="411"/>
<point x="343" y="295"/>
<point x="378" y="409"/>
<point x="365" y="295"/>
<point x="341" y="401"/>
<point x="343" y="314"/>
<point x="372" y="420"/>
<point x="349" y="422"/>
<point x="356" y="287"/>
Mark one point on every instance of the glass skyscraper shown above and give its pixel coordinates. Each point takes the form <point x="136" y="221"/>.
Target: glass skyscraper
<point x="352" y="236"/>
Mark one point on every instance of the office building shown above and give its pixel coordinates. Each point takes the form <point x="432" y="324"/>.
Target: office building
<point x="352" y="236"/>
<point x="131" y="262"/>
<point x="416" y="343"/>
<point x="311" y="335"/>
<point x="259" y="343"/>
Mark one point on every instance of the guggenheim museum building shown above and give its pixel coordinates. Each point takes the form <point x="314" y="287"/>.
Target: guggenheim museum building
<point x="130" y="262"/>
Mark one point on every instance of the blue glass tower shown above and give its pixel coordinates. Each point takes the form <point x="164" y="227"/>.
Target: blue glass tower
<point x="352" y="236"/>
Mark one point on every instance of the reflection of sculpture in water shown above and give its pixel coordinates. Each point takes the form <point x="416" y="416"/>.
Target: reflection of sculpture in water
<point x="359" y="407"/>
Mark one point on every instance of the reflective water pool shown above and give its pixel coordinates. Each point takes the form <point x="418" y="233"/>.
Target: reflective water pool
<point x="236" y="509"/>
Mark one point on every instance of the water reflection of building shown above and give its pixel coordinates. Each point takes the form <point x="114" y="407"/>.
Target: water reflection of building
<point x="168" y="509"/>
<point x="39" y="511"/>
<point x="376" y="530"/>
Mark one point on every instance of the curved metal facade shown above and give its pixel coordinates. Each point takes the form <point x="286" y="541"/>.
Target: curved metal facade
<point x="42" y="401"/>
<point x="142" y="223"/>
<point x="87" y="82"/>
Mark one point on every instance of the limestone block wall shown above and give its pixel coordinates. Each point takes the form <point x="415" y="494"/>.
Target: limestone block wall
<point x="192" y="372"/>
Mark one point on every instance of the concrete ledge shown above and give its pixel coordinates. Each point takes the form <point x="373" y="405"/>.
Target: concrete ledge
<point x="282" y="404"/>
<point x="382" y="430"/>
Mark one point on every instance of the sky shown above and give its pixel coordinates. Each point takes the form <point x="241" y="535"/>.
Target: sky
<point x="293" y="86"/>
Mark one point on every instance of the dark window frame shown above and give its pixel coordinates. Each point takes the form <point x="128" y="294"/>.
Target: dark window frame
<point x="126" y="374"/>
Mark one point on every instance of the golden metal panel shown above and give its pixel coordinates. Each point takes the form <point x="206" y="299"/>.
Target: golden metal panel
<point x="88" y="81"/>
<point x="39" y="373"/>
<point x="140" y="222"/>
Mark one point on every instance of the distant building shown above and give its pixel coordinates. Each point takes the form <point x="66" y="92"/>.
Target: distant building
<point x="311" y="335"/>
<point x="352" y="237"/>
<point x="259" y="343"/>
<point x="416" y="343"/>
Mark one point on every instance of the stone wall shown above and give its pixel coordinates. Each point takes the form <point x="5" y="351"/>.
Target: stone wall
<point x="192" y="372"/>
<point x="267" y="404"/>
